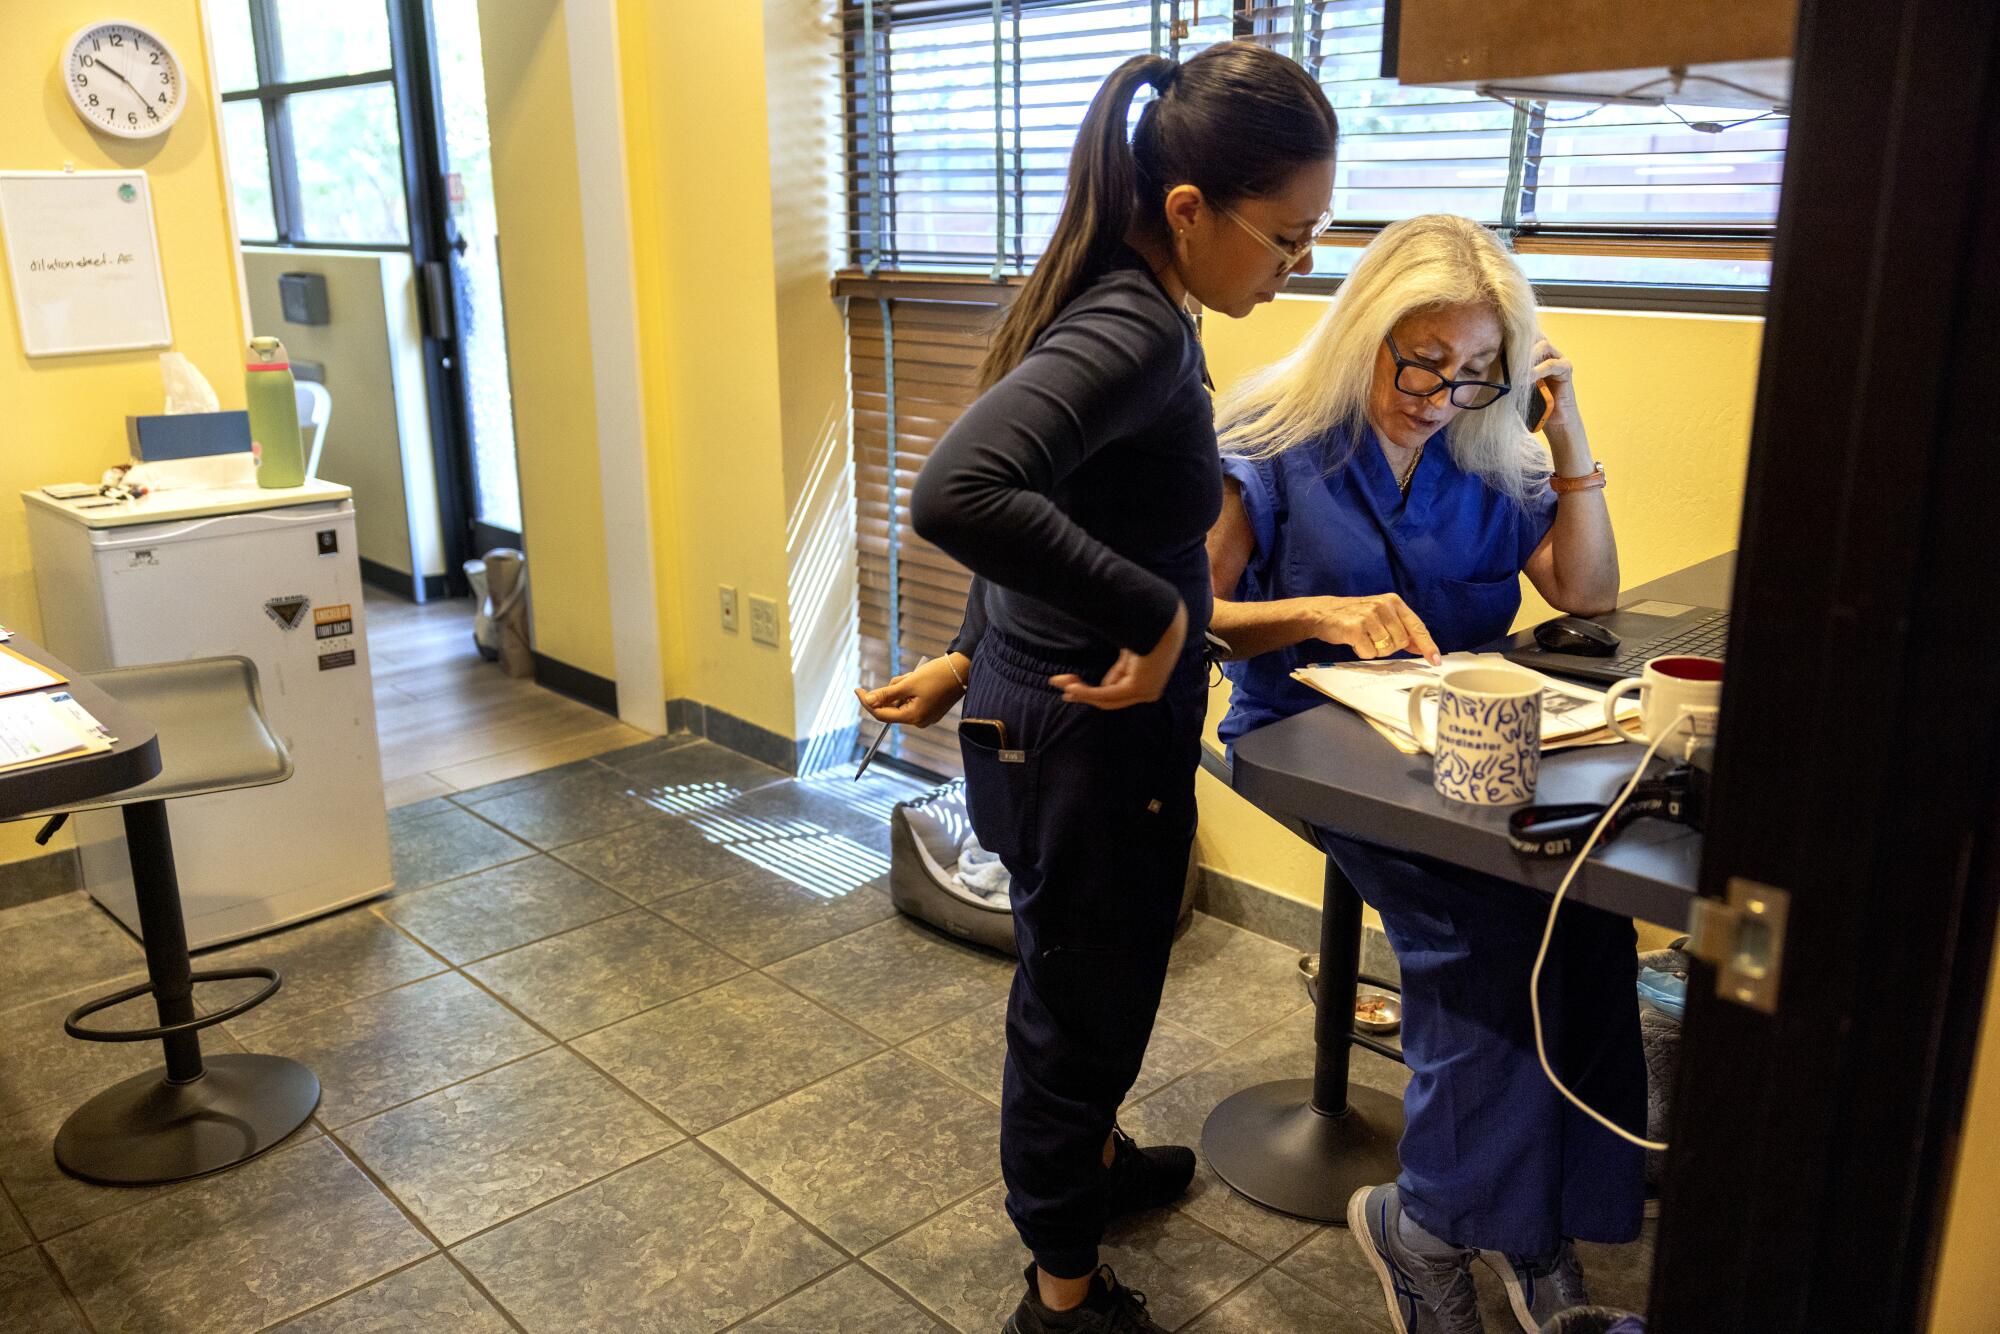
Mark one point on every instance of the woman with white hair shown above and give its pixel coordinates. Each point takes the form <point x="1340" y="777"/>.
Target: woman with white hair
<point x="1383" y="495"/>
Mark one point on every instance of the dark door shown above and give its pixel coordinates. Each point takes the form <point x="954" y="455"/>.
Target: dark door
<point x="1813" y="1146"/>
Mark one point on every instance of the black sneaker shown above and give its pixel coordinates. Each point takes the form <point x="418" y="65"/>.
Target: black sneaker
<point x="1146" y="1178"/>
<point x="1111" y="1308"/>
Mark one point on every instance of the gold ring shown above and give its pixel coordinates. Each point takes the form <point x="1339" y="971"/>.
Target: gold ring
<point x="1384" y="643"/>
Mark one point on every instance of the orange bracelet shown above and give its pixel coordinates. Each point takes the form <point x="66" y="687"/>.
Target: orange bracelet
<point x="1590" y="481"/>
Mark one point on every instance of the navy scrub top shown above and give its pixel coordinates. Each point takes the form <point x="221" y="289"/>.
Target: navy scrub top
<point x="1329" y="519"/>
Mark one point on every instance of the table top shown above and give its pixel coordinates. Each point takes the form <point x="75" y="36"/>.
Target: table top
<point x="187" y="503"/>
<point x="1328" y="767"/>
<point x="132" y="759"/>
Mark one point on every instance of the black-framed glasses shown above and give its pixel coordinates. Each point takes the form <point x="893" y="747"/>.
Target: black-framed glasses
<point x="1422" y="382"/>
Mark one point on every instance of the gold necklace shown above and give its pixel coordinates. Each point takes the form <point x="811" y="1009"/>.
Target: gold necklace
<point x="1403" y="482"/>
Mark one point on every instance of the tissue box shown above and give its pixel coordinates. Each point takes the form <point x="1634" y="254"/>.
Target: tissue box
<point x="188" y="435"/>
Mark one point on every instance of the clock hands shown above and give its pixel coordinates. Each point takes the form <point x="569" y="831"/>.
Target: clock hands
<point x="117" y="74"/>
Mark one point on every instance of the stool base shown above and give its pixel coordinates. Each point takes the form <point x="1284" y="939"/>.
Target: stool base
<point x="1271" y="1145"/>
<point x="148" y="1131"/>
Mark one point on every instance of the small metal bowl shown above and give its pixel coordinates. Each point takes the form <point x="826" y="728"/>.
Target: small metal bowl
<point x="1374" y="1011"/>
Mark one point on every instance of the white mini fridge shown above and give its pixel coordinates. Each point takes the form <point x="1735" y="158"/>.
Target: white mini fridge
<point x="272" y="576"/>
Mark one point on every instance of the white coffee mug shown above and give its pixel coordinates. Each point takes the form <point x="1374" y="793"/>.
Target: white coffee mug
<point x="1667" y="687"/>
<point x="1488" y="746"/>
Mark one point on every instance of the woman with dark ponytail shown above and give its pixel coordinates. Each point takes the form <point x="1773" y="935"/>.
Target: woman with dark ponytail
<point x="1079" y="489"/>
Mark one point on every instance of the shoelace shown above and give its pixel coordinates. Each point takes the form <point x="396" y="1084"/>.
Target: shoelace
<point x="1129" y="1313"/>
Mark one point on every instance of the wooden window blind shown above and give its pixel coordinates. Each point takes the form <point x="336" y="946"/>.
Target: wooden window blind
<point x="913" y="364"/>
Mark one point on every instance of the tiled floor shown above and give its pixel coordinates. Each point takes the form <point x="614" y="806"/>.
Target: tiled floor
<point x="640" y="1044"/>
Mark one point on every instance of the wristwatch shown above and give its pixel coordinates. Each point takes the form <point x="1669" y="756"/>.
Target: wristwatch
<point x="1590" y="481"/>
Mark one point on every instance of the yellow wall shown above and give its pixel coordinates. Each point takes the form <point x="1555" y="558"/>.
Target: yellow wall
<point x="743" y="375"/>
<point x="540" y="209"/>
<point x="1969" y="1267"/>
<point x="1667" y="399"/>
<point x="65" y="416"/>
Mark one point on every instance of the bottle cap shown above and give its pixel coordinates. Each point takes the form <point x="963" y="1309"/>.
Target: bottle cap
<point x="267" y="354"/>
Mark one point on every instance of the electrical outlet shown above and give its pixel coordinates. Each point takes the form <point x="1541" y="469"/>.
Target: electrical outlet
<point x="728" y="608"/>
<point x="764" y="621"/>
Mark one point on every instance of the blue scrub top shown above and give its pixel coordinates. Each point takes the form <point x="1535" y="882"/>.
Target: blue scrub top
<point x="1329" y="519"/>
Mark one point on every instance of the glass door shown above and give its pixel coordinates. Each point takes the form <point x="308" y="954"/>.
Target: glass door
<point x="471" y="255"/>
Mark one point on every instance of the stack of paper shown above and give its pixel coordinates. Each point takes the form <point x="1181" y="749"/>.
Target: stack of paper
<point x="42" y="725"/>
<point x="1572" y="715"/>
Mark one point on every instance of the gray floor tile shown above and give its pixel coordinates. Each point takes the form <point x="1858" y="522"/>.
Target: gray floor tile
<point x="867" y="1152"/>
<point x="31" y="1299"/>
<point x="419" y="810"/>
<point x="677" y="1244"/>
<point x="966" y="1263"/>
<point x="1176" y="1113"/>
<point x="502" y="909"/>
<point x="241" y="1250"/>
<point x="1332" y="1264"/>
<point x="811" y="856"/>
<point x="446" y="845"/>
<point x="40" y="1063"/>
<point x="695" y="776"/>
<point x="722" y="1052"/>
<point x="973" y="1050"/>
<point x="1275" y="1302"/>
<point x="645" y="750"/>
<point x="51" y="1199"/>
<point x="507" y="787"/>
<point x="897" y="979"/>
<point x="325" y="963"/>
<point x="13" y="1233"/>
<point x="660" y="855"/>
<point x="849" y="1301"/>
<point x="478" y="1153"/>
<point x="1225" y="983"/>
<point x="379" y="1051"/>
<point x="431" y="1295"/>
<point x="604" y="972"/>
<point x="580" y="805"/>
<point x="761" y="918"/>
<point x="59" y="945"/>
<point x="832" y="805"/>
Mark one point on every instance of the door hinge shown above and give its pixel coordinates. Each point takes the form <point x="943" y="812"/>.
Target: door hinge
<point x="1743" y="935"/>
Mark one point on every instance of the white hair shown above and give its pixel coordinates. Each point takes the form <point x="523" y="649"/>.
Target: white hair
<point x="1439" y="259"/>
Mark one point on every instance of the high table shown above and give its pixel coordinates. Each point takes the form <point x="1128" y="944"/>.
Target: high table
<point x="132" y="759"/>
<point x="1304" y="1146"/>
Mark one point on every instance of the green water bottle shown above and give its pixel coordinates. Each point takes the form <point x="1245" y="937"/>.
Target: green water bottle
<point x="274" y="415"/>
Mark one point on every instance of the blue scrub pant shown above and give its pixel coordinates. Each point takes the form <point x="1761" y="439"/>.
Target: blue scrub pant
<point x="1092" y="813"/>
<point x="1492" y="1156"/>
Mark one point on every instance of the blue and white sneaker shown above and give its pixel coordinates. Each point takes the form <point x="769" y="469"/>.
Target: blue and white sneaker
<point x="1540" y="1292"/>
<point x="1426" y="1281"/>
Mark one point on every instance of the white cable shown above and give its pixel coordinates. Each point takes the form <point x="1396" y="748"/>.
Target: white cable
<point x="1549" y="931"/>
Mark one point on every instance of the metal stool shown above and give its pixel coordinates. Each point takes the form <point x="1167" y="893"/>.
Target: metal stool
<point x="1304" y="1146"/>
<point x="193" y="1116"/>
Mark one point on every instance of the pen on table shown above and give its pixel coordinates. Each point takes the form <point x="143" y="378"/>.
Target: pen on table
<point x="876" y="744"/>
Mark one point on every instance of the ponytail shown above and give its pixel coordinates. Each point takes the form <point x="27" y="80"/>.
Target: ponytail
<point x="1234" y="122"/>
<point x="1098" y="204"/>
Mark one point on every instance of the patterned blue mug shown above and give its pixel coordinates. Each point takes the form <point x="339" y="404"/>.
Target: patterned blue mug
<point x="1488" y="744"/>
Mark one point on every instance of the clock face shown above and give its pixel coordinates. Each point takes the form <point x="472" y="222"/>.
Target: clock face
<point x="123" y="80"/>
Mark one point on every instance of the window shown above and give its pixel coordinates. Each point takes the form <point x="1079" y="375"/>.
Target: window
<point x="961" y="113"/>
<point x="310" y="112"/>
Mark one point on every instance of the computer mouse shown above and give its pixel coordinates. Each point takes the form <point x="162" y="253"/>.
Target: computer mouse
<point x="1573" y="634"/>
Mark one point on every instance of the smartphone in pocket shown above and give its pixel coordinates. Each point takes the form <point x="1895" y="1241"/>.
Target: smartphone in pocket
<point x="988" y="732"/>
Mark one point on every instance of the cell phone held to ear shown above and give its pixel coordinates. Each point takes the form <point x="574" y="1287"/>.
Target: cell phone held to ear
<point x="1540" y="401"/>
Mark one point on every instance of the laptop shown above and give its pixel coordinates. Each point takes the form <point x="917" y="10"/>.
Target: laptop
<point x="1649" y="629"/>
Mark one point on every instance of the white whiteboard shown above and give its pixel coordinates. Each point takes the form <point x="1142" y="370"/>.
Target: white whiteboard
<point x="84" y="261"/>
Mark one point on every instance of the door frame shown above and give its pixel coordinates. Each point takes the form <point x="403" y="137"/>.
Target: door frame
<point x="1814" y="1148"/>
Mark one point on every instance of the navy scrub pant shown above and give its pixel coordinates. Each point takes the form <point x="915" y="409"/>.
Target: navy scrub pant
<point x="1492" y="1156"/>
<point x="1093" y="814"/>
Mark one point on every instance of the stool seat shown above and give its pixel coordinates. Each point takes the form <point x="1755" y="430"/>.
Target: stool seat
<point x="209" y="713"/>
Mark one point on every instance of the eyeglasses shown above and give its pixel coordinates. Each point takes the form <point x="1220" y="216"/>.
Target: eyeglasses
<point x="1423" y="382"/>
<point x="1290" y="256"/>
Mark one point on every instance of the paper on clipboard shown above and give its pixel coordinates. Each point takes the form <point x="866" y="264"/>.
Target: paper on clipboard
<point x="1572" y="715"/>
<point x="18" y="674"/>
<point x="36" y="729"/>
